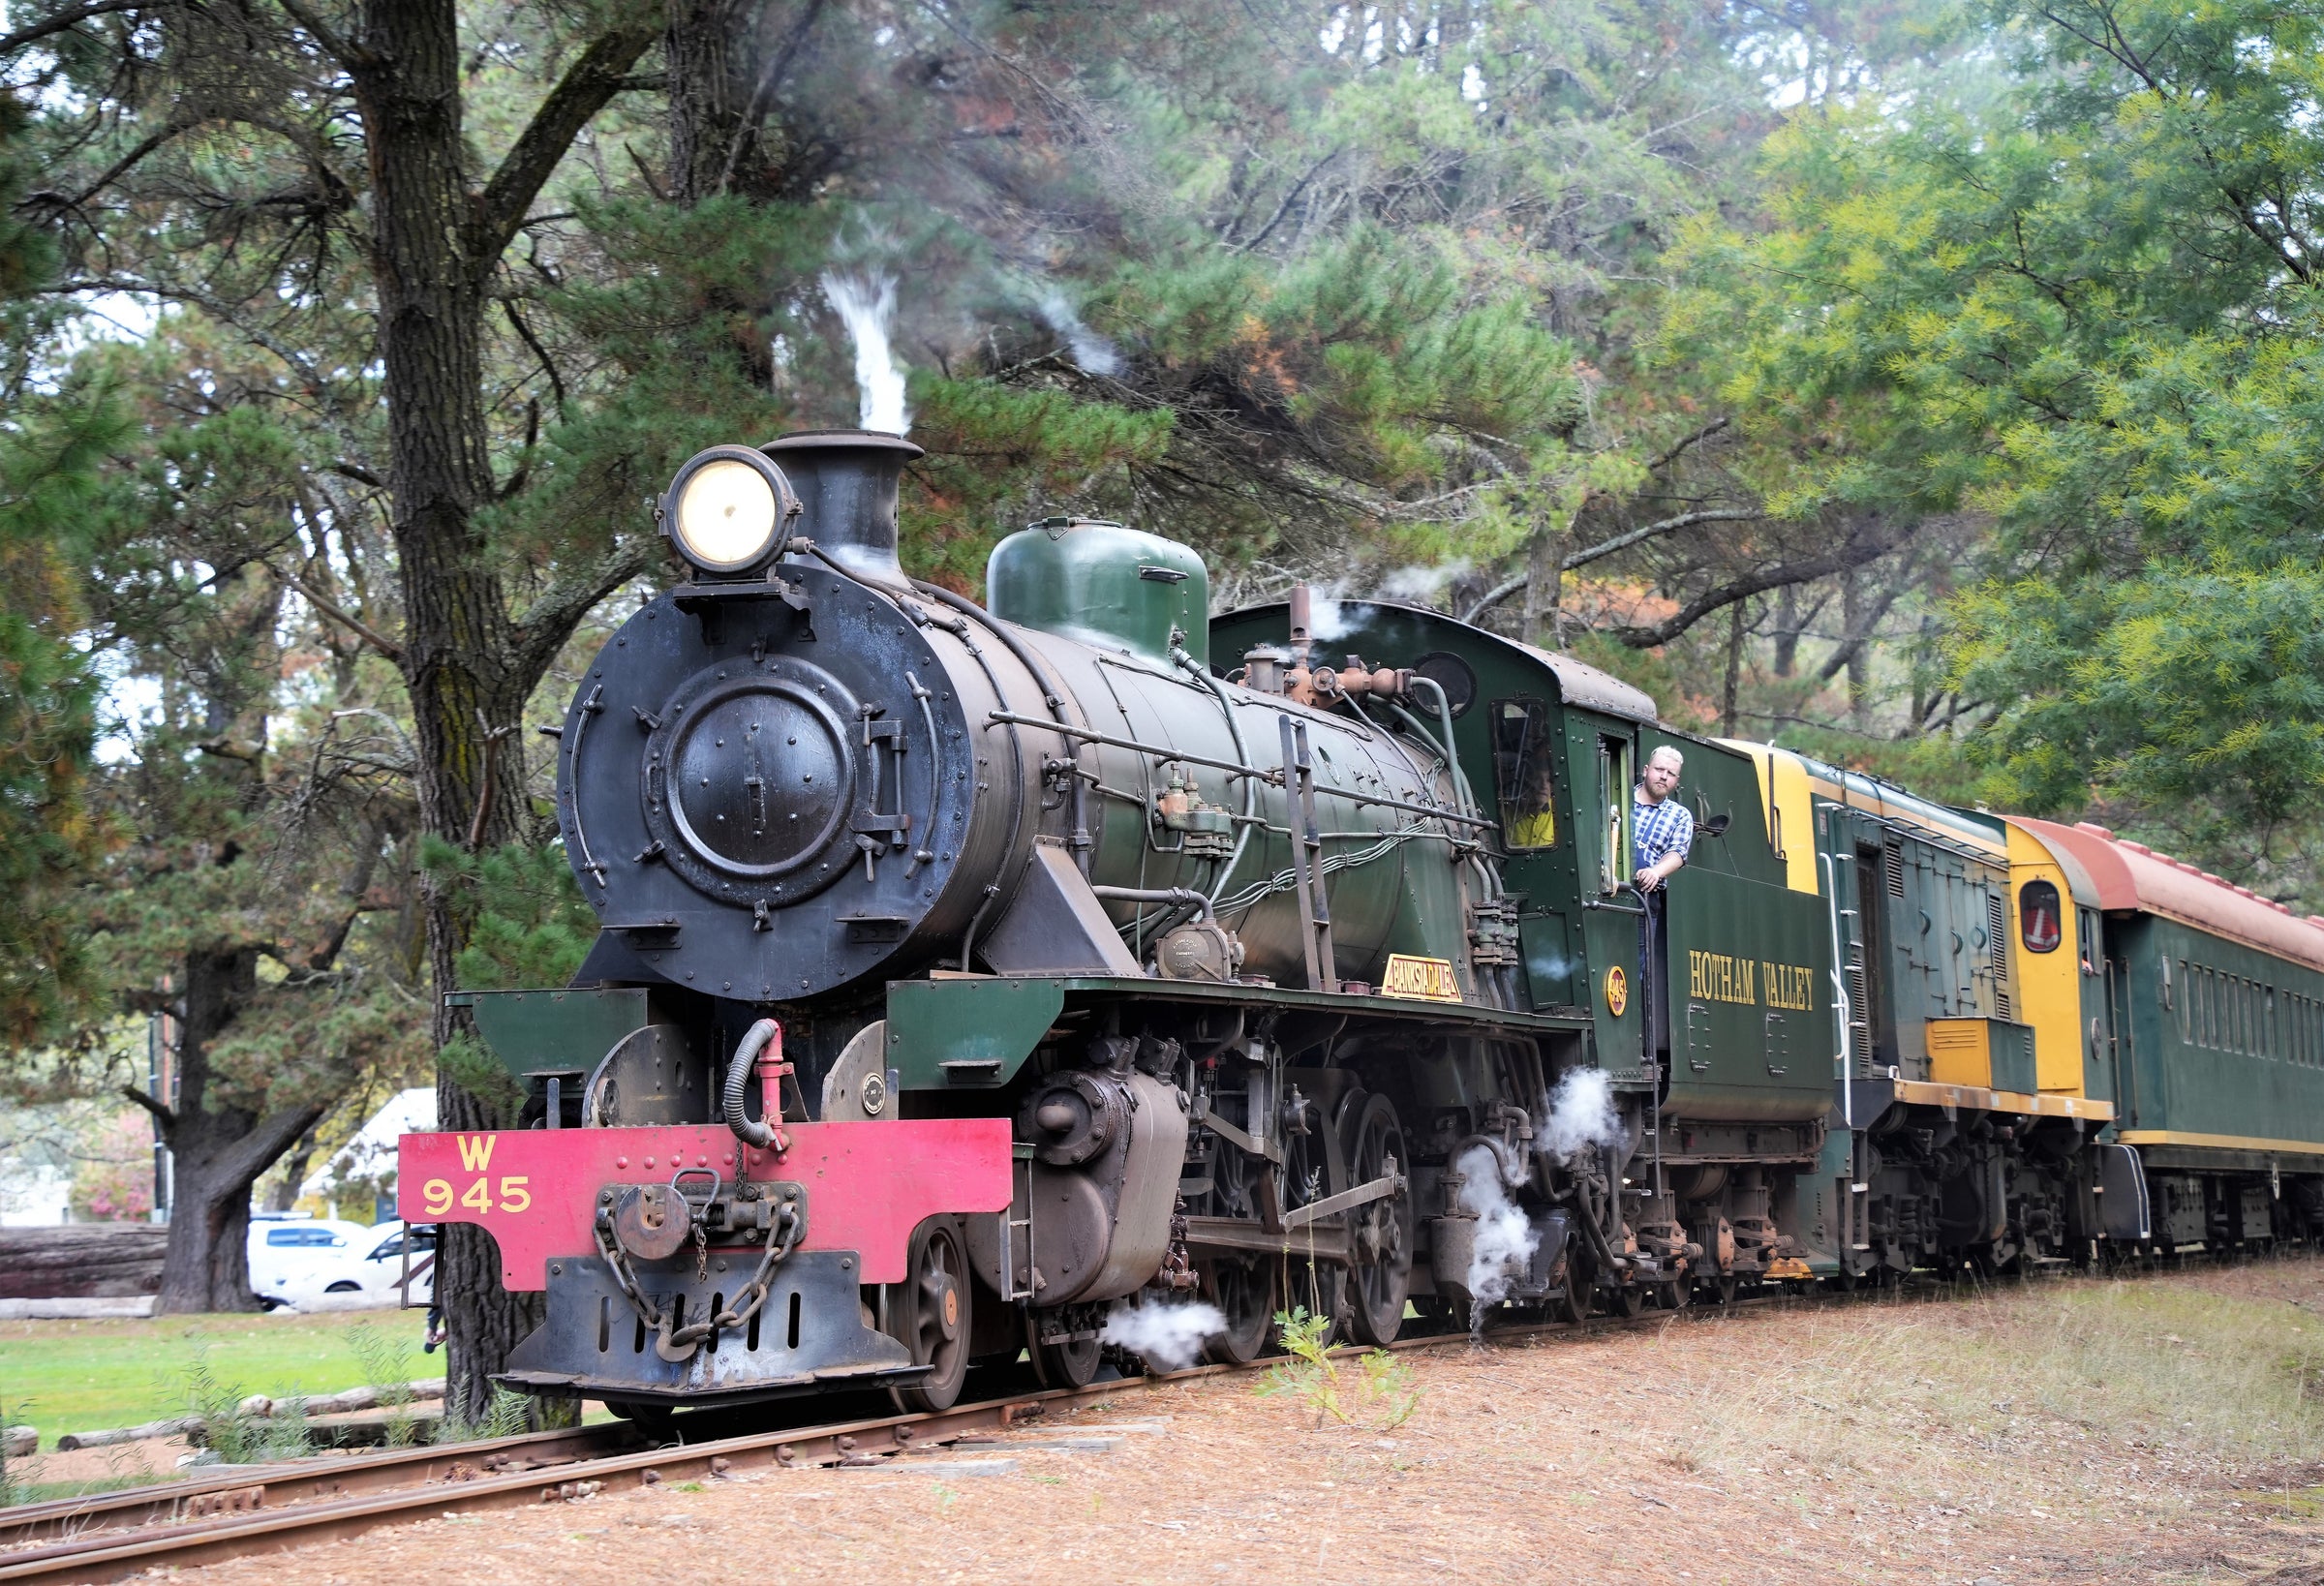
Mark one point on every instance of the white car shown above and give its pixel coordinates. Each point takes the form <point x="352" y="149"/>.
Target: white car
<point x="382" y="1263"/>
<point x="302" y="1260"/>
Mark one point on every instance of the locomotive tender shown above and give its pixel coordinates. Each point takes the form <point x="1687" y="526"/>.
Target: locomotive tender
<point x="967" y="974"/>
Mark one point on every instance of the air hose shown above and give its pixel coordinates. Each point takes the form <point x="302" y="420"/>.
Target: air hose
<point x="758" y="1132"/>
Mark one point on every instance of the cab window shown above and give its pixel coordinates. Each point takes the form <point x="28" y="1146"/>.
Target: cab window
<point x="2037" y="916"/>
<point x="1524" y="773"/>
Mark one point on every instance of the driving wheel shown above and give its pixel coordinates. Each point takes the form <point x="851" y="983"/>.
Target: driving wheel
<point x="1379" y="1232"/>
<point x="1581" y="1278"/>
<point x="1243" y="1289"/>
<point x="928" y="1313"/>
<point x="1314" y="1168"/>
<point x="1068" y="1362"/>
<point x="1320" y="1289"/>
<point x="656" y="1420"/>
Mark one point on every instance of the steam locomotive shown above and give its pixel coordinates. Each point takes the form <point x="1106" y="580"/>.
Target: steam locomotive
<point x="969" y="975"/>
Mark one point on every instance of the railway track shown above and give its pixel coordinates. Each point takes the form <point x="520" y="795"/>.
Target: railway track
<point x="271" y="1509"/>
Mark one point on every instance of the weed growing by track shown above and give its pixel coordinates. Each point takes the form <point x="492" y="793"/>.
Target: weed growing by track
<point x="504" y="1414"/>
<point x="15" y="1477"/>
<point x="1380" y="1394"/>
<point x="238" y="1437"/>
<point x="387" y="1363"/>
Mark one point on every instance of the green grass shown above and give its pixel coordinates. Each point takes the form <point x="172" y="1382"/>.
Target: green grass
<point x="83" y="1376"/>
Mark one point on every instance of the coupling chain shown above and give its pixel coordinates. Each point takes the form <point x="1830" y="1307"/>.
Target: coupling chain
<point x="676" y="1344"/>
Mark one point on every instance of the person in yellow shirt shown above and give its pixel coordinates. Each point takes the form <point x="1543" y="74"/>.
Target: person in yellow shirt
<point x="1530" y="821"/>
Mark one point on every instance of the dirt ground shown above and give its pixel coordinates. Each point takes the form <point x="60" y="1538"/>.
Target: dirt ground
<point x="1968" y="1440"/>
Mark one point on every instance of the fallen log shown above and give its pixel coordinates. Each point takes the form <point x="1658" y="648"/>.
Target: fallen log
<point x="81" y="1261"/>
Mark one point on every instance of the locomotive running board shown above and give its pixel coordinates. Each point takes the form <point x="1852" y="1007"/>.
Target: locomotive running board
<point x="809" y="1334"/>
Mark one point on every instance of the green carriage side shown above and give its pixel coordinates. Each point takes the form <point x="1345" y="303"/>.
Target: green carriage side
<point x="2212" y="1030"/>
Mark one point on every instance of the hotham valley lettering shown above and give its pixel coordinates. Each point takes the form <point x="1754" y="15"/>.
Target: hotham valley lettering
<point x="1714" y="977"/>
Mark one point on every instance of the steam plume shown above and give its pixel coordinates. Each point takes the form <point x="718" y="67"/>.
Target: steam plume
<point x="1423" y="584"/>
<point x="1327" y="624"/>
<point x="1093" y="351"/>
<point x="1166" y="1337"/>
<point x="866" y="305"/>
<point x="1505" y="1236"/>
<point x="1580" y="1112"/>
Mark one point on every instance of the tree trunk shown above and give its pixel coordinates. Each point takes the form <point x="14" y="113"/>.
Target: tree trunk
<point x="708" y="52"/>
<point x="726" y="64"/>
<point x="285" y="1193"/>
<point x="468" y="665"/>
<point x="1787" y="623"/>
<point x="1545" y="589"/>
<point x="457" y="636"/>
<point x="1734" y="668"/>
<point x="1860" y="663"/>
<point x="217" y="1153"/>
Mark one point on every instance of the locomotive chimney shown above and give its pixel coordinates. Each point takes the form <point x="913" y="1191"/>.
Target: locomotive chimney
<point x="846" y="482"/>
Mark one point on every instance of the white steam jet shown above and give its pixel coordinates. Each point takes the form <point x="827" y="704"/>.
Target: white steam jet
<point x="867" y="306"/>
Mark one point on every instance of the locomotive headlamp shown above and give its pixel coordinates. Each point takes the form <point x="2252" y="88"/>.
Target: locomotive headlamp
<point x="730" y="510"/>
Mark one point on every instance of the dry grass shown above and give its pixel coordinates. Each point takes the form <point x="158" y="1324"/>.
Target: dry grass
<point x="2050" y="1435"/>
<point x="1966" y="1398"/>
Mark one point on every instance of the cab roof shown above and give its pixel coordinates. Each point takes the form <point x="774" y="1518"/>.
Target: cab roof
<point x="1577" y="681"/>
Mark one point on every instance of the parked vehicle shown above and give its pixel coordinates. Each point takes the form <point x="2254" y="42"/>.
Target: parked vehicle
<point x="383" y="1264"/>
<point x="302" y="1260"/>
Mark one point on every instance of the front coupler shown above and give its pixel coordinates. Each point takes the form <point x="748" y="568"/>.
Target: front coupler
<point x="809" y="1334"/>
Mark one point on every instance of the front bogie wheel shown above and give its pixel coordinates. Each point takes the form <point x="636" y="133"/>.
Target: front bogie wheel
<point x="928" y="1313"/>
<point x="657" y="1421"/>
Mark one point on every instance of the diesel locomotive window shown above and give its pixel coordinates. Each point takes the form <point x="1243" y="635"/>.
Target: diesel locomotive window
<point x="1523" y="772"/>
<point x="2039" y="917"/>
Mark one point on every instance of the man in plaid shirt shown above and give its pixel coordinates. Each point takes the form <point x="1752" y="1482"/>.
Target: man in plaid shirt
<point x="1661" y="831"/>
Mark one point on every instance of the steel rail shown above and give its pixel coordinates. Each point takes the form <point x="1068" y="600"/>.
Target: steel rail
<point x="248" y="1486"/>
<point x="337" y="1509"/>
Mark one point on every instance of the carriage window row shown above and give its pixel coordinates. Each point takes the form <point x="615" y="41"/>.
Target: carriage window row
<point x="2228" y="1013"/>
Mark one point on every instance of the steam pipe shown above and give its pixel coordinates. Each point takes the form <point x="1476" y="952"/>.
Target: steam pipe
<point x="1598" y="1236"/>
<point x="1443" y="714"/>
<point x="1164" y="752"/>
<point x="1173" y="897"/>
